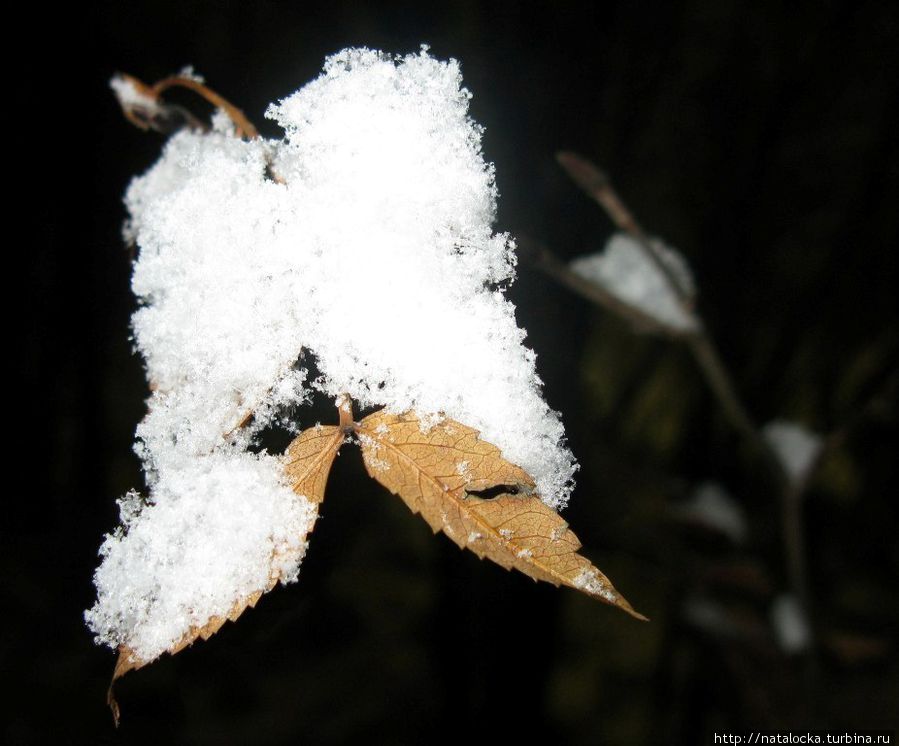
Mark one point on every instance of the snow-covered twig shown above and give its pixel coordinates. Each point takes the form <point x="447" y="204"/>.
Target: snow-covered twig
<point x="597" y="185"/>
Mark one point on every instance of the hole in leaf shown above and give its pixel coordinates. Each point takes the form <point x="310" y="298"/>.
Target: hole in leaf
<point x="492" y="492"/>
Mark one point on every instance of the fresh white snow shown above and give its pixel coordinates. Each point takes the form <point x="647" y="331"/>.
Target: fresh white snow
<point x="374" y="252"/>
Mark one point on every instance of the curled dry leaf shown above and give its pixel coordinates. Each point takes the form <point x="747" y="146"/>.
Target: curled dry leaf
<point x="439" y="471"/>
<point x="307" y="463"/>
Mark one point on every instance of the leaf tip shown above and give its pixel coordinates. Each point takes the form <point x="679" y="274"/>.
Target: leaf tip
<point x="592" y="582"/>
<point x="113" y="705"/>
<point x="614" y="598"/>
<point x="126" y="662"/>
<point x="623" y="604"/>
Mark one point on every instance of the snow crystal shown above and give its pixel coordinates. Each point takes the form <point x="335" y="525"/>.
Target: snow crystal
<point x="795" y="446"/>
<point x="373" y="252"/>
<point x="624" y="269"/>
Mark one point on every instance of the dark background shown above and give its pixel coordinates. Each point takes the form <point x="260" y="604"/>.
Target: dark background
<point x="758" y="139"/>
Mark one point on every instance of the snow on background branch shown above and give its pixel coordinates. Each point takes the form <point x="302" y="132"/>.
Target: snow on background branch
<point x="625" y="269"/>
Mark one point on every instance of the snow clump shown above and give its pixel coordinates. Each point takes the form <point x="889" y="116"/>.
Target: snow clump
<point x="363" y="238"/>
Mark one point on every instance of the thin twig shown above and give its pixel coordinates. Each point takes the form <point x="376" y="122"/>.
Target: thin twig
<point x="147" y="111"/>
<point x="597" y="184"/>
<point x="150" y="111"/>
<point x="716" y="376"/>
<point x="245" y="127"/>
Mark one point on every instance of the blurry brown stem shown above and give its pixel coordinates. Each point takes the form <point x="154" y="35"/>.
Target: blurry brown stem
<point x="596" y="184"/>
<point x="720" y="382"/>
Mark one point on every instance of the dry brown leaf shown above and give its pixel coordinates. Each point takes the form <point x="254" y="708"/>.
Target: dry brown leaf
<point x="446" y="473"/>
<point x="307" y="463"/>
<point x="308" y="460"/>
<point x="437" y="470"/>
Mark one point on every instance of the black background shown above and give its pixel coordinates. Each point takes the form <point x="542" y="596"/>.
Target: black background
<point x="758" y="138"/>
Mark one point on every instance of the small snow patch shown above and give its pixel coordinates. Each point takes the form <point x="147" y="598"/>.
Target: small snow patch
<point x="790" y="624"/>
<point x="795" y="446"/>
<point x="624" y="269"/>
<point x="588" y="580"/>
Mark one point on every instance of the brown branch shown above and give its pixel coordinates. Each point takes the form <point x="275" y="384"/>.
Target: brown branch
<point x="155" y="113"/>
<point x="597" y="184"/>
<point x="345" y="412"/>
<point x="719" y="380"/>
<point x="244" y="126"/>
<point x="146" y="111"/>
